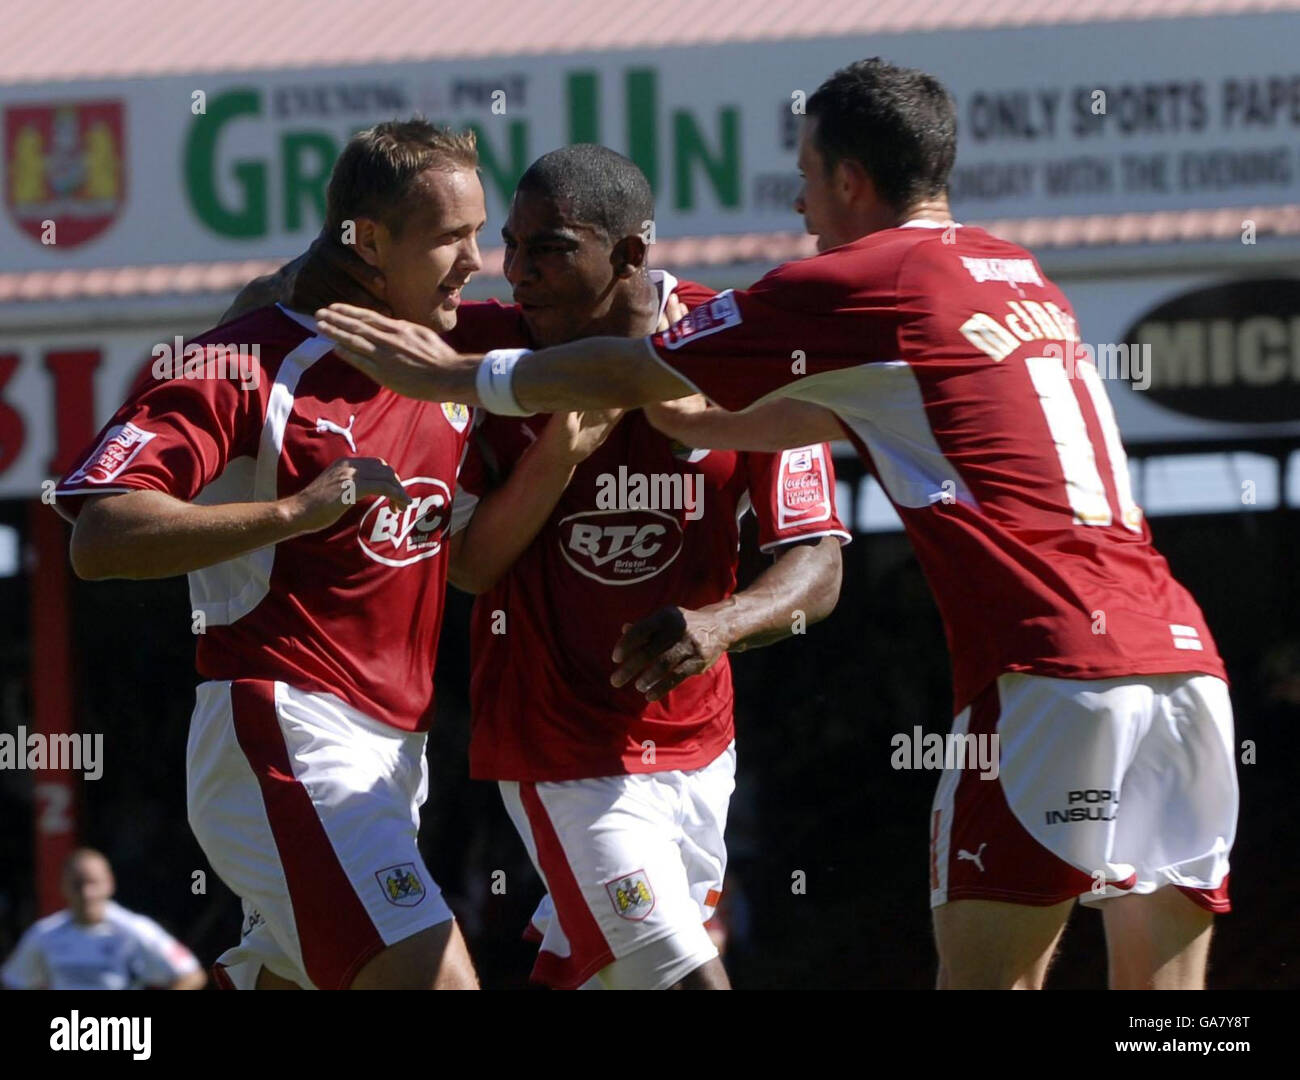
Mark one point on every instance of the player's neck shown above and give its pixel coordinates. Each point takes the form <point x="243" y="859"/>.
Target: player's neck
<point x="633" y="312"/>
<point x="934" y="209"/>
<point x="863" y="221"/>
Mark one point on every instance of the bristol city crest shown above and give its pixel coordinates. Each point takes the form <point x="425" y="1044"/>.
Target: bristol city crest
<point x="401" y="884"/>
<point x="66" y="169"/>
<point x="632" y="896"/>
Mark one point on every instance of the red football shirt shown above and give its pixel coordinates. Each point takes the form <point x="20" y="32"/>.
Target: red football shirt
<point x="542" y="637"/>
<point x="353" y="610"/>
<point x="951" y="362"/>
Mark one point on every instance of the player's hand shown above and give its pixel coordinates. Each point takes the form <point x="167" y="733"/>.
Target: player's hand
<point x="676" y="419"/>
<point x="573" y="437"/>
<point x="667" y="648"/>
<point x="673" y="311"/>
<point x="343" y="485"/>
<point x="403" y="356"/>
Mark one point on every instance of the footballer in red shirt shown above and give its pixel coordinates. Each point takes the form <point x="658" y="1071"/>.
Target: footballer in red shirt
<point x="956" y="368"/>
<point x="620" y="791"/>
<point x="313" y="512"/>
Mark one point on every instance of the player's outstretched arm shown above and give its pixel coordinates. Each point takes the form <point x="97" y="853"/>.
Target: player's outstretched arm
<point x="508" y="518"/>
<point x="594" y="373"/>
<point x="800" y="588"/>
<point x="150" y="534"/>
<point x="694" y="422"/>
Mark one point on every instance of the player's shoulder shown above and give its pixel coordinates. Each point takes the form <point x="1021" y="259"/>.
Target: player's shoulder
<point x="837" y="278"/>
<point x="491" y="308"/>
<point x="267" y="327"/>
<point x="488" y="324"/>
<point x="132" y="922"/>
<point x="242" y="353"/>
<point x="117" y="915"/>
<point x="970" y="252"/>
<point x="49" y="924"/>
<point x="692" y="293"/>
<point x="880" y="257"/>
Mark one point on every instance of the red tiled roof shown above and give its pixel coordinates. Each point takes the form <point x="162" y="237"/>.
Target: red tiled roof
<point x="56" y="40"/>
<point x="1037" y="234"/>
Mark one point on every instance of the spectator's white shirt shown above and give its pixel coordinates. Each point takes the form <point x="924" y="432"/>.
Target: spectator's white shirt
<point x="125" y="951"/>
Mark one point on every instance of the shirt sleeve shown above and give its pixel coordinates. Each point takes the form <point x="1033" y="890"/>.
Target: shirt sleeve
<point x="774" y="339"/>
<point x="160" y="958"/>
<point x="173" y="435"/>
<point x="793" y="496"/>
<point x="25" y="969"/>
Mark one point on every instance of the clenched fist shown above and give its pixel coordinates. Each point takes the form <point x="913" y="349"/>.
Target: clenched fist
<point x="667" y="648"/>
<point x="343" y="485"/>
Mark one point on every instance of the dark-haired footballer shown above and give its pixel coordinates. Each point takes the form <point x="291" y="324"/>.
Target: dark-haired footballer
<point x="620" y="791"/>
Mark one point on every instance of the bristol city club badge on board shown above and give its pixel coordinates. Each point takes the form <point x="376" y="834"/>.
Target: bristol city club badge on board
<point x="66" y="169"/>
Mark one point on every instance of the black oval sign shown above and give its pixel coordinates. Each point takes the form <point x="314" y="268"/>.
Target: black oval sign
<point x="1228" y="352"/>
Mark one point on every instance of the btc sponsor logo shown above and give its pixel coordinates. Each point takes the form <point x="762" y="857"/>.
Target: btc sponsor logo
<point x="401" y="537"/>
<point x="620" y="547"/>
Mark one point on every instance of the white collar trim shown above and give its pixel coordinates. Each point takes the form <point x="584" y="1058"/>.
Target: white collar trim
<point x="665" y="283"/>
<point x="306" y="321"/>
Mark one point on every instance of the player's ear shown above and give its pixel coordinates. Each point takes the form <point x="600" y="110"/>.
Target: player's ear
<point x="854" y="182"/>
<point x="629" y="255"/>
<point x="371" y="241"/>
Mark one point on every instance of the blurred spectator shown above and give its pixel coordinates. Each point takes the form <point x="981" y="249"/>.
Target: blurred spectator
<point x="95" y="944"/>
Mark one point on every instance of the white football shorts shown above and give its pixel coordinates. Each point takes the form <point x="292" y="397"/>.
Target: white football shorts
<point x="633" y="866"/>
<point x="1104" y="788"/>
<point x="309" y="810"/>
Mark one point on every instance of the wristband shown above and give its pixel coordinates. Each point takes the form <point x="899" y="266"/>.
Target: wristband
<point x="493" y="380"/>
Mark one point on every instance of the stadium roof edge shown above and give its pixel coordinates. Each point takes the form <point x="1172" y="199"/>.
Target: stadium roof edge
<point x="68" y="40"/>
<point x="1170" y="229"/>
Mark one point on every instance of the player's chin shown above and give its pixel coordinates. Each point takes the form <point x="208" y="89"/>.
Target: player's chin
<point x="443" y="317"/>
<point x="448" y="303"/>
<point x="544" y="328"/>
